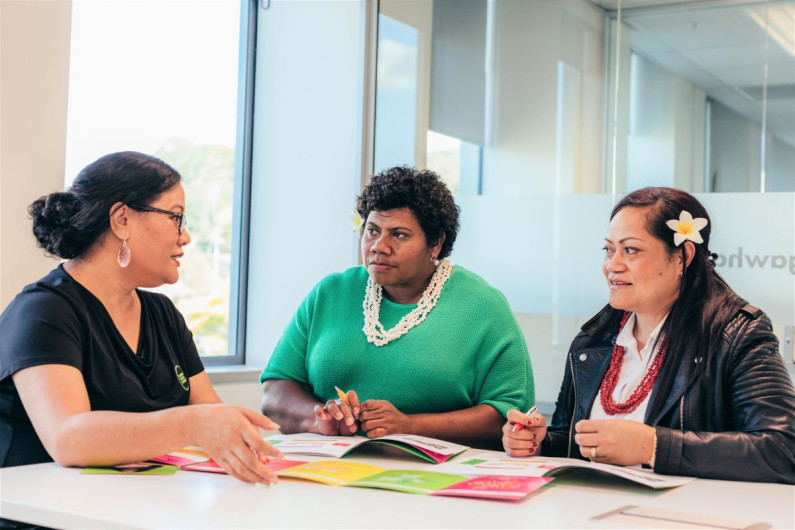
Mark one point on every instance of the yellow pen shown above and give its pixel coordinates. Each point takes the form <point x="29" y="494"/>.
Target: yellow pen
<point x="344" y="398"/>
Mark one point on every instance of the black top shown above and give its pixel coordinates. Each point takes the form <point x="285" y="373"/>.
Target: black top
<point x="58" y="321"/>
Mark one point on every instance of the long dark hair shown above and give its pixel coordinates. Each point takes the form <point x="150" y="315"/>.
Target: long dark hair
<point x="706" y="303"/>
<point x="66" y="224"/>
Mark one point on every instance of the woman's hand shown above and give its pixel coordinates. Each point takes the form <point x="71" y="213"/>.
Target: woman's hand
<point x="379" y="417"/>
<point x="230" y="436"/>
<point x="622" y="442"/>
<point x="335" y="417"/>
<point x="523" y="442"/>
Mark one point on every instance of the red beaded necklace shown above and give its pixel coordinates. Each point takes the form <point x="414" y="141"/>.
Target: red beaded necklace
<point x="611" y="378"/>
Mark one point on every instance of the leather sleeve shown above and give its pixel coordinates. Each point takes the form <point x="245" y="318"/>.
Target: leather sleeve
<point x="760" y="445"/>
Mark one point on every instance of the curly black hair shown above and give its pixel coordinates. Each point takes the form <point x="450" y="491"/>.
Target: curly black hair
<point x="421" y="191"/>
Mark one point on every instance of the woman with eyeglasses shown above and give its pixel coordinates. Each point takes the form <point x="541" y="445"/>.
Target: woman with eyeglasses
<point x="95" y="371"/>
<point x="677" y="372"/>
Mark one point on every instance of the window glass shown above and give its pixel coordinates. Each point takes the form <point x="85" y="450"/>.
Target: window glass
<point x="709" y="97"/>
<point x="163" y="78"/>
<point x="541" y="115"/>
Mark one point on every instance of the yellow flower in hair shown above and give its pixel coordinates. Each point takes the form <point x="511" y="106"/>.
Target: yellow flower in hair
<point x="357" y="220"/>
<point x="687" y="228"/>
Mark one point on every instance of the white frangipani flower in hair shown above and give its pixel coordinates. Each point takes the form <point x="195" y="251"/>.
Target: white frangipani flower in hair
<point x="357" y="220"/>
<point x="687" y="228"/>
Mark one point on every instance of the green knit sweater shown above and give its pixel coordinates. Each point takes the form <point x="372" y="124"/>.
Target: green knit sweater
<point x="468" y="351"/>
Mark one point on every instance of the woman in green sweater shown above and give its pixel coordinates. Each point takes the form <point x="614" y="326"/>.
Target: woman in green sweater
<point x="423" y="347"/>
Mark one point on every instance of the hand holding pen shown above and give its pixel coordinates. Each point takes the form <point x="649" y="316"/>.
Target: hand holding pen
<point x="518" y="426"/>
<point x="348" y="400"/>
<point x="338" y="416"/>
<point x="523" y="433"/>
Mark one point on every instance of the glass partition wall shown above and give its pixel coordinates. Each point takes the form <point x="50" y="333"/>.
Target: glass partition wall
<point x="540" y="115"/>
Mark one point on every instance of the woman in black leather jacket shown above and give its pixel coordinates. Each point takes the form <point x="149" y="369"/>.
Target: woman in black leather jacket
<point x="677" y="372"/>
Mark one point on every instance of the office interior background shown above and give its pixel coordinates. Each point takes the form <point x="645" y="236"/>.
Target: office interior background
<point x="539" y="114"/>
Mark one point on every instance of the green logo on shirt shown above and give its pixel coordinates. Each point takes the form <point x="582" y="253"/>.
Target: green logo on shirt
<point x="181" y="377"/>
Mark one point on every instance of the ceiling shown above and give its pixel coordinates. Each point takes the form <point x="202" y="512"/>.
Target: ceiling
<point x="721" y="47"/>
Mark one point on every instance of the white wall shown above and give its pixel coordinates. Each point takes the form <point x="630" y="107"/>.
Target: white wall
<point x="306" y="163"/>
<point x="735" y="155"/>
<point x="666" y="129"/>
<point x="530" y="39"/>
<point x="34" y="81"/>
<point x="780" y="165"/>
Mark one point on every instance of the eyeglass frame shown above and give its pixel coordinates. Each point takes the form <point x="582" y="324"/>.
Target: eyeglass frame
<point x="183" y="221"/>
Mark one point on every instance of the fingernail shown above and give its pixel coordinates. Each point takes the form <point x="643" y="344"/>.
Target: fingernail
<point x="349" y="421"/>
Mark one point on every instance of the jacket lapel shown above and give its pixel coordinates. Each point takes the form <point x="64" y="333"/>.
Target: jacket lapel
<point x="685" y="375"/>
<point x="590" y="366"/>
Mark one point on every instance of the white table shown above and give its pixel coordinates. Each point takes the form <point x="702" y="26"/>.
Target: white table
<point x="50" y="495"/>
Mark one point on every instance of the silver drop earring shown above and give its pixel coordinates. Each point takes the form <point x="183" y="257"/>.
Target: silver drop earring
<point x="124" y="254"/>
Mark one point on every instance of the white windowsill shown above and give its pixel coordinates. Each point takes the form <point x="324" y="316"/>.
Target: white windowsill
<point x="234" y="373"/>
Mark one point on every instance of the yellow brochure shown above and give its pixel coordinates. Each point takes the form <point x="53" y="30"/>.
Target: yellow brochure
<point x="334" y="472"/>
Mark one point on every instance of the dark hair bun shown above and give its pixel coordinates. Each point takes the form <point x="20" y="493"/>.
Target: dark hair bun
<point x="54" y="219"/>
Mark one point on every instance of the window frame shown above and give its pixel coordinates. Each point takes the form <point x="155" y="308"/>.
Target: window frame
<point x="238" y="280"/>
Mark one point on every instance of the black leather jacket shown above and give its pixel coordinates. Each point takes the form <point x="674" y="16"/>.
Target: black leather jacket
<point x="731" y="417"/>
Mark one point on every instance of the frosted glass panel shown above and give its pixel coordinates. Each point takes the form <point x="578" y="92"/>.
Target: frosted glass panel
<point x="544" y="252"/>
<point x="754" y="237"/>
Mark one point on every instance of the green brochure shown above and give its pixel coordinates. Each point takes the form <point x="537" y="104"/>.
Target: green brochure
<point x="409" y="481"/>
<point x="137" y="468"/>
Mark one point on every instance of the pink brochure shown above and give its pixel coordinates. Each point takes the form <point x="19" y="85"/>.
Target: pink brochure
<point x="274" y="464"/>
<point x="495" y="487"/>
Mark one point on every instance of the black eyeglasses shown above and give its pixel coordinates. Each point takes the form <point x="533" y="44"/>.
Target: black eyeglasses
<point x="182" y="221"/>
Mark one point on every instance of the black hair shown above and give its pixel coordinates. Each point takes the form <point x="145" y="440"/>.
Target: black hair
<point x="66" y="224"/>
<point x="421" y="191"/>
<point x="705" y="303"/>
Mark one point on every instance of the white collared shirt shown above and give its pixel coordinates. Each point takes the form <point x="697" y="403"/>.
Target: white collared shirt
<point x="634" y="366"/>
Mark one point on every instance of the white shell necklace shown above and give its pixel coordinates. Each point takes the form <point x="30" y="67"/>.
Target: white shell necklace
<point x="374" y="330"/>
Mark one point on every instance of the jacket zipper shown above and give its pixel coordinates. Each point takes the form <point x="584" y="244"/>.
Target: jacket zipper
<point x="574" y="409"/>
<point x="682" y="413"/>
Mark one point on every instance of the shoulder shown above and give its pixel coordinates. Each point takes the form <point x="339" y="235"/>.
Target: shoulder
<point x="55" y="294"/>
<point x="46" y="323"/>
<point x="465" y="281"/>
<point x="748" y="324"/>
<point x="599" y="330"/>
<point x="353" y="275"/>
<point x="341" y="282"/>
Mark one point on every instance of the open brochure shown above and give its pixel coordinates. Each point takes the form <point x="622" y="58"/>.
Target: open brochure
<point x="539" y="466"/>
<point x="359" y="475"/>
<point x="430" y="449"/>
<point x="348" y="473"/>
<point x="190" y="458"/>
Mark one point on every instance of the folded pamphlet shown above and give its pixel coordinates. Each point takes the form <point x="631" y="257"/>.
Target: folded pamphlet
<point x="539" y="466"/>
<point x="431" y="449"/>
<point x="358" y="475"/>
